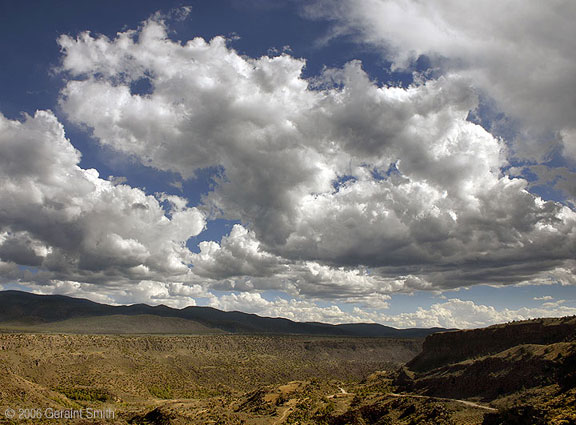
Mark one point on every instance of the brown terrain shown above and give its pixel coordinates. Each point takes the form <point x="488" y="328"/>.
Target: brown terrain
<point x="134" y="374"/>
<point x="517" y="373"/>
<point x="525" y="369"/>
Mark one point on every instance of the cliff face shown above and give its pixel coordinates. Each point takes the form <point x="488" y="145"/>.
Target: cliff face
<point x="452" y="347"/>
<point x="491" y="376"/>
<point x="494" y="362"/>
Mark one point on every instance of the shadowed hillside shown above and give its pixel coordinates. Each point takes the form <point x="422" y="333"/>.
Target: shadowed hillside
<point x="527" y="369"/>
<point x="23" y="308"/>
<point x="115" y="324"/>
<point x="451" y="347"/>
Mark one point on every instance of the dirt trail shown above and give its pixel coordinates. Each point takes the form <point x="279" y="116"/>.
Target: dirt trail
<point x="466" y="402"/>
<point x="283" y="416"/>
<point x="342" y="393"/>
<point x="289" y="409"/>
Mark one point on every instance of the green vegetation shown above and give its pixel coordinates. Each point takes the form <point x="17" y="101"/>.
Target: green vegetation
<point x="161" y="392"/>
<point x="85" y="394"/>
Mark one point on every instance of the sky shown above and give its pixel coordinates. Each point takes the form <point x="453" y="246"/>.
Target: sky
<point x="400" y="162"/>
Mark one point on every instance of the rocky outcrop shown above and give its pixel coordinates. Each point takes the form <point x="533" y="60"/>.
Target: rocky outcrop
<point x="445" y="348"/>
<point x="491" y="376"/>
<point x="494" y="361"/>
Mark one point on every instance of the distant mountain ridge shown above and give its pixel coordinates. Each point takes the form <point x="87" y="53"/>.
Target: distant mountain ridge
<point x="25" y="307"/>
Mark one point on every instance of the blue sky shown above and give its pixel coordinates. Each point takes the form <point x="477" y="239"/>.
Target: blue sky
<point x="239" y="155"/>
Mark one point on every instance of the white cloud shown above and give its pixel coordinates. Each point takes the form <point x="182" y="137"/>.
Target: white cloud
<point x="238" y="254"/>
<point x="453" y="313"/>
<point x="117" y="180"/>
<point x="378" y="189"/>
<point x="520" y="53"/>
<point x="543" y="298"/>
<point x="564" y="275"/>
<point x="456" y="313"/>
<point x="238" y="263"/>
<point x="554" y="304"/>
<point x="175" y="294"/>
<point x="74" y="226"/>
<point x="294" y="309"/>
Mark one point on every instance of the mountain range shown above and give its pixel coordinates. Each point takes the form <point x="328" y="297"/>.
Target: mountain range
<point x="23" y="311"/>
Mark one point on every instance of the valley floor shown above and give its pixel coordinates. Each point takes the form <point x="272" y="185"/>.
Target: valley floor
<point x="273" y="380"/>
<point x="179" y="378"/>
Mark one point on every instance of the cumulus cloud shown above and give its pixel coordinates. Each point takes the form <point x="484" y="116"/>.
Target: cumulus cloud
<point x="238" y="254"/>
<point x="345" y="189"/>
<point x="543" y="298"/>
<point x="453" y="313"/>
<point x="74" y="226"/>
<point x="294" y="309"/>
<point x="563" y="275"/>
<point x="456" y="313"/>
<point x="519" y="53"/>
<point x="172" y="294"/>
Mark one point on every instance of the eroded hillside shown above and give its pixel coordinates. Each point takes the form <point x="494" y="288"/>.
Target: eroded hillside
<point x="525" y="369"/>
<point x="518" y="373"/>
<point x="131" y="373"/>
<point x="451" y="347"/>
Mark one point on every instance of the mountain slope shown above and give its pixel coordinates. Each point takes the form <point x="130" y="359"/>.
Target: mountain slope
<point x="526" y="369"/>
<point x="116" y="324"/>
<point x="452" y="347"/>
<point x="24" y="307"/>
